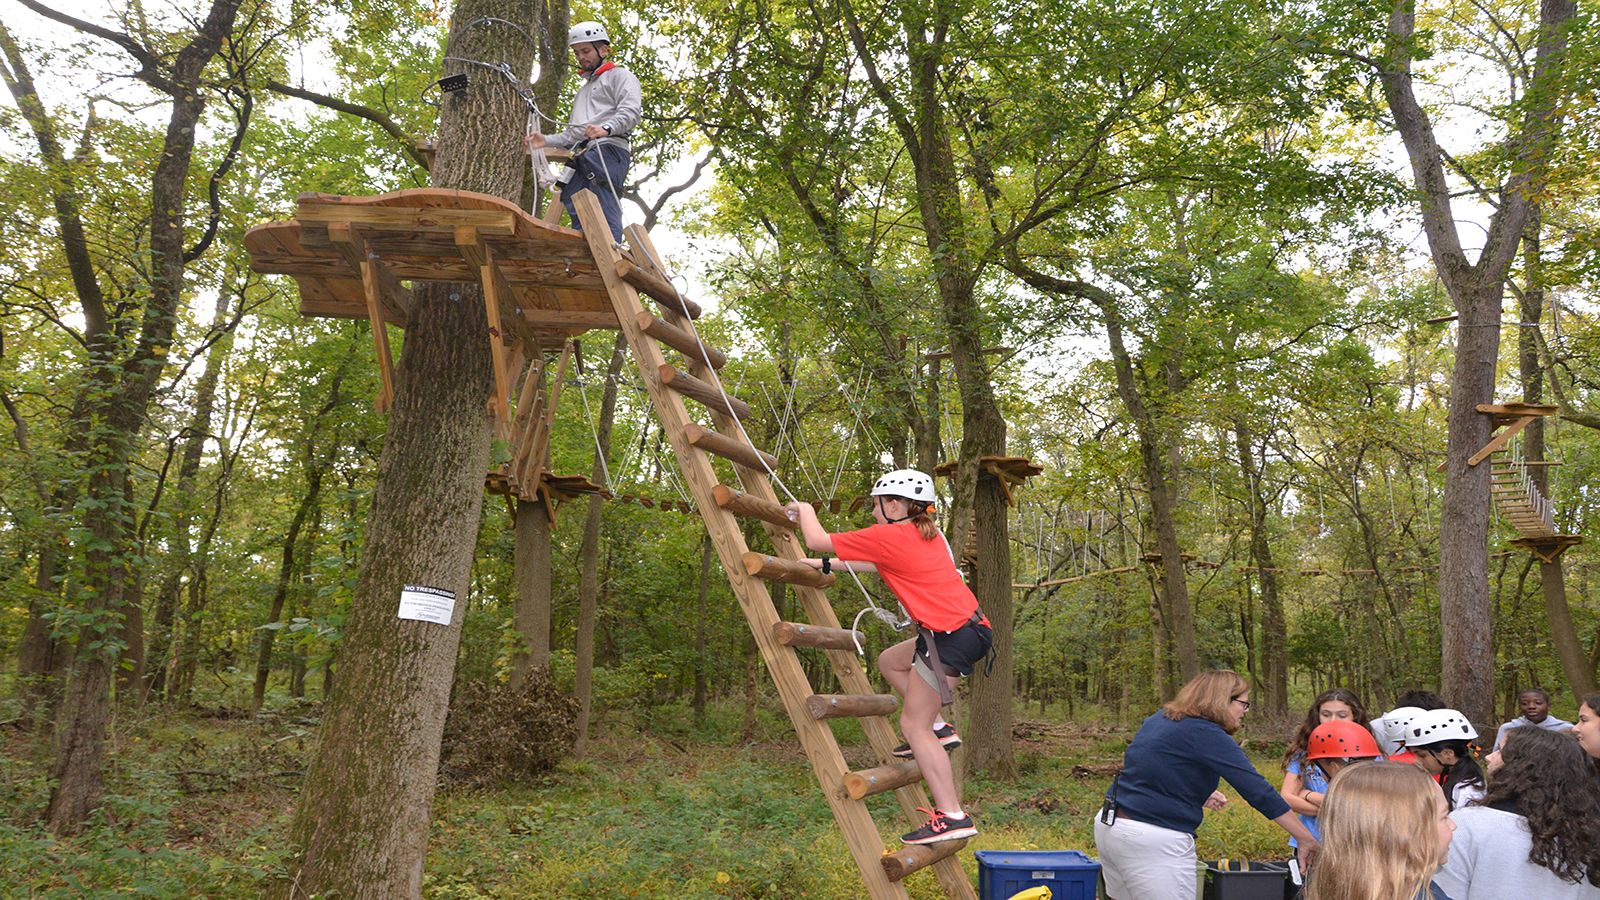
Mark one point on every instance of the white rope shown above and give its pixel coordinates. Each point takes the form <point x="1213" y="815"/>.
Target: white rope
<point x="594" y="429"/>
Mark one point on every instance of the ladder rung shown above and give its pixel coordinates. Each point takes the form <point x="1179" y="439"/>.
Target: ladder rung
<point x="801" y="634"/>
<point x="740" y="503"/>
<point x="850" y="706"/>
<point x="915" y="857"/>
<point x="658" y="288"/>
<point x="867" y="782"/>
<point x="681" y="341"/>
<point x="678" y="380"/>
<point x="774" y="569"/>
<point x="729" y="448"/>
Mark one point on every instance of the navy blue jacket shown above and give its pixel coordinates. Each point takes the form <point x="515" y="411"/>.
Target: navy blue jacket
<point x="1172" y="767"/>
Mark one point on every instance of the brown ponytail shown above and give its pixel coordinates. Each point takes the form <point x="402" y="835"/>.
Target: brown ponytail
<point x="922" y="517"/>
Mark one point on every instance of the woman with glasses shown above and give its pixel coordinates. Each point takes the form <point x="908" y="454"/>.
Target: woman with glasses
<point x="1145" y="831"/>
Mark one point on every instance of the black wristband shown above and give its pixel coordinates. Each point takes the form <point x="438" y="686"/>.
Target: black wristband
<point x="827" y="565"/>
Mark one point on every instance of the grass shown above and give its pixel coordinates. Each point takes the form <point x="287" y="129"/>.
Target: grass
<point x="199" y="805"/>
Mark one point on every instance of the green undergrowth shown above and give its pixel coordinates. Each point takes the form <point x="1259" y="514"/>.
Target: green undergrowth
<point x="199" y="805"/>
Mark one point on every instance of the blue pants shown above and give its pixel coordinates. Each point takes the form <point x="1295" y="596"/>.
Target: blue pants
<point x="601" y="169"/>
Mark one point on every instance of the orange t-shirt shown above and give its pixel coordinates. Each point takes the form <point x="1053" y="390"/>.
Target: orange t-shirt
<point x="920" y="573"/>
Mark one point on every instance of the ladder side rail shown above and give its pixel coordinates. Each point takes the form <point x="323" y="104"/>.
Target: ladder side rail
<point x="787" y="544"/>
<point x="856" y="826"/>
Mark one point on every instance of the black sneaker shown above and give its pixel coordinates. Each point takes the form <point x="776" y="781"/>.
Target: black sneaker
<point x="940" y="827"/>
<point x="948" y="739"/>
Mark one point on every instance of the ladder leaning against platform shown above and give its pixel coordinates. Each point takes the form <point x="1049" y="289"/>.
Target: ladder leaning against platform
<point x="542" y="285"/>
<point x="778" y="641"/>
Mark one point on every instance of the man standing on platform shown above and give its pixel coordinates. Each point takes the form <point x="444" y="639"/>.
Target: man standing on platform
<point x="608" y="106"/>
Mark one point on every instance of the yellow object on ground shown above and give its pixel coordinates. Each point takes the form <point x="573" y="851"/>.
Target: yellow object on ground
<point x="1033" y="893"/>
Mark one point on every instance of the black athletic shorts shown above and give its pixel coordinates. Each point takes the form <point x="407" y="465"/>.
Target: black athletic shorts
<point x="959" y="650"/>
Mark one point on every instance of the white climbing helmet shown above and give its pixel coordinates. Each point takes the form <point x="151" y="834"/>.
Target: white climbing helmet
<point x="907" y="483"/>
<point x="1396" y="720"/>
<point x="587" y="33"/>
<point x="1437" y="725"/>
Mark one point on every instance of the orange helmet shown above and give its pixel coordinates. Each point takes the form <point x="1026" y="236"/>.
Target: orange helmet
<point x="1341" y="739"/>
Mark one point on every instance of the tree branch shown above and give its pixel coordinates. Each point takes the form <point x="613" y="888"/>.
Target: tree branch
<point x="407" y="142"/>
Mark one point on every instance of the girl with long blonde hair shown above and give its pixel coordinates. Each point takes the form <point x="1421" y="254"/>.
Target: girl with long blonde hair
<point x="1385" y="832"/>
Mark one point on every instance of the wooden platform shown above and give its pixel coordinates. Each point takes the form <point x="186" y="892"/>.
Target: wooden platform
<point x="432" y="234"/>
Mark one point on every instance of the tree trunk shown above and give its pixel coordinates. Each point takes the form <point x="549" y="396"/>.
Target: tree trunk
<point x="118" y="405"/>
<point x="1552" y="575"/>
<point x="532" y="609"/>
<point x="287" y="568"/>
<point x="1173" y="596"/>
<point x="707" y="557"/>
<point x="1274" y="630"/>
<point x="361" y="827"/>
<point x="589" y="552"/>
<point x="162" y="637"/>
<point x="1476" y="290"/>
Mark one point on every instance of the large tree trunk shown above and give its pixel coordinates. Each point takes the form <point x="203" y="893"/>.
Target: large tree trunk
<point x="531" y="612"/>
<point x="121" y="387"/>
<point x="1552" y="577"/>
<point x="361" y="828"/>
<point x="1476" y="290"/>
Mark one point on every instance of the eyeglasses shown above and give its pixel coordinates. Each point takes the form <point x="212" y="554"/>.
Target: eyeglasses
<point x="1245" y="703"/>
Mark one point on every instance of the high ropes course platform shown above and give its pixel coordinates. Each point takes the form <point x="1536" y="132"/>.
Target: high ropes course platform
<point x="543" y="285"/>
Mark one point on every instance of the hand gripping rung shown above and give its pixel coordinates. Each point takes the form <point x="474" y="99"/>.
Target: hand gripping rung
<point x="788" y="571"/>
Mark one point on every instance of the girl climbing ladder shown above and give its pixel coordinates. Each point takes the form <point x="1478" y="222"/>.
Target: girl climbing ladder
<point x="952" y="633"/>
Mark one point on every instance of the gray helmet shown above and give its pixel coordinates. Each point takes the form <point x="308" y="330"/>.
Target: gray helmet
<point x="587" y="33"/>
<point x="908" y="483"/>
<point x="1435" y="726"/>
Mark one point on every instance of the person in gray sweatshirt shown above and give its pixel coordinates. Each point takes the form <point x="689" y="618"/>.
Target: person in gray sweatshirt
<point x="608" y="107"/>
<point x="1537" y="831"/>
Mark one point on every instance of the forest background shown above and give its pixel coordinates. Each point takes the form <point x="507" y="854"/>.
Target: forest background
<point x="1212" y="269"/>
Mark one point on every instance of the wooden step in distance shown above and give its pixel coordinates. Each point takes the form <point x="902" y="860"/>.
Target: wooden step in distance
<point x="804" y="634"/>
<point x="774" y="569"/>
<point x="866" y="782"/>
<point x="730" y="448"/>
<point x="740" y="503"/>
<point x="657" y="288"/>
<point x="850" y="706"/>
<point x="678" y="380"/>
<point x="916" y="857"/>
<point x="681" y="341"/>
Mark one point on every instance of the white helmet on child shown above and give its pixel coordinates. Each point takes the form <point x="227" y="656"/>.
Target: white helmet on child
<point x="907" y="483"/>
<point x="587" y="33"/>
<point x="1397" y="720"/>
<point x="1438" y="725"/>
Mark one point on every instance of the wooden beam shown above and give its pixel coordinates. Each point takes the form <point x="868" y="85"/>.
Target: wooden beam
<point x="681" y="341"/>
<point x="788" y="571"/>
<point x="866" y="782"/>
<point x="802" y="634"/>
<point x="658" y="288"/>
<point x="916" y="857"/>
<point x="708" y="394"/>
<point x="356" y="250"/>
<point x="743" y="504"/>
<point x="442" y="219"/>
<point x="851" y="706"/>
<point x="730" y="448"/>
<point x="1499" y="440"/>
<point x="380" y="334"/>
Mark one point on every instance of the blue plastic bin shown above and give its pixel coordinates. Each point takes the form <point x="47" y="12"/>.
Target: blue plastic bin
<point x="1069" y="874"/>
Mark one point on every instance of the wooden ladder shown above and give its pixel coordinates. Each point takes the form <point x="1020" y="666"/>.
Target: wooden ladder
<point x="779" y="642"/>
<point x="1519" y="499"/>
